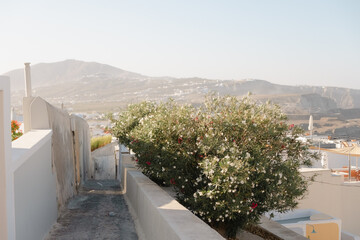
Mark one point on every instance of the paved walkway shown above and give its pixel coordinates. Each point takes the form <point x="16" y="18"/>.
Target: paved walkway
<point x="98" y="212"/>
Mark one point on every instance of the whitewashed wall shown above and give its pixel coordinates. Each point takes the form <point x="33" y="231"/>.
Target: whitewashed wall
<point x="34" y="185"/>
<point x="28" y="204"/>
<point x="6" y="207"/>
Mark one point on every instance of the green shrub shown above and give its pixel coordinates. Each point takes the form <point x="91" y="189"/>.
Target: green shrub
<point x="130" y="119"/>
<point x="98" y="142"/>
<point x="229" y="161"/>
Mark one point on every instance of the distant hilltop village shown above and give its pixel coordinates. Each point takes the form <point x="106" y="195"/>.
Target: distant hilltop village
<point x="89" y="86"/>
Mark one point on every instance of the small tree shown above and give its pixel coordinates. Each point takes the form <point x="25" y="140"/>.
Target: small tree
<point x="230" y="161"/>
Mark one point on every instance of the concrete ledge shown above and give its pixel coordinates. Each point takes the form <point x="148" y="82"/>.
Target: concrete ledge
<point x="159" y="215"/>
<point x="25" y="146"/>
<point x="279" y="230"/>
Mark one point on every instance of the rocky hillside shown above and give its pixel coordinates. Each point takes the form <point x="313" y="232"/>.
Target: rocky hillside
<point x="74" y="81"/>
<point x="50" y="74"/>
<point x="90" y="86"/>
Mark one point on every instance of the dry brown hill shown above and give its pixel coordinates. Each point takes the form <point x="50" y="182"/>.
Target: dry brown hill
<point x="91" y="86"/>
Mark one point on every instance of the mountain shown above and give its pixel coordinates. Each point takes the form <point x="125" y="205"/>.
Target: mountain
<point x="73" y="81"/>
<point x="49" y="74"/>
<point x="91" y="86"/>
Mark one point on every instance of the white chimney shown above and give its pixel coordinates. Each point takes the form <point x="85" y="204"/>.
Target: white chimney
<point x="27" y="80"/>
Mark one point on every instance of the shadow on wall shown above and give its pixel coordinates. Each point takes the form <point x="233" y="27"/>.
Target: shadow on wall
<point x="70" y="144"/>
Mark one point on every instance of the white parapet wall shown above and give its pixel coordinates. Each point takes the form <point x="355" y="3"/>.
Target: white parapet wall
<point x="35" y="200"/>
<point x="160" y="216"/>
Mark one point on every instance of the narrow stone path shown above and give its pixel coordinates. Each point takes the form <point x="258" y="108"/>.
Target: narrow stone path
<point x="98" y="212"/>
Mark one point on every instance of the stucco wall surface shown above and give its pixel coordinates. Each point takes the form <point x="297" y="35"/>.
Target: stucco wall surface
<point x="62" y="153"/>
<point x="82" y="147"/>
<point x="6" y="208"/>
<point x="34" y="185"/>
<point x="70" y="143"/>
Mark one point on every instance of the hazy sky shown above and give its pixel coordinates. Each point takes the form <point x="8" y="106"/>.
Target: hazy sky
<point x="312" y="42"/>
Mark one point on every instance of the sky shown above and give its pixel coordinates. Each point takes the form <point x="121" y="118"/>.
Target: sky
<point x="292" y="42"/>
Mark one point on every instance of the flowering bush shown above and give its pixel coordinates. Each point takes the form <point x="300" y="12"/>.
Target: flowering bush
<point x="229" y="161"/>
<point x="15" y="130"/>
<point x="129" y="120"/>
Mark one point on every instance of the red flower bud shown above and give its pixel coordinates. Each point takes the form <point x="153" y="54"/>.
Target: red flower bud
<point x="172" y="181"/>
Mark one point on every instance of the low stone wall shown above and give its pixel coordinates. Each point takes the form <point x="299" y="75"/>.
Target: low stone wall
<point x="159" y="215"/>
